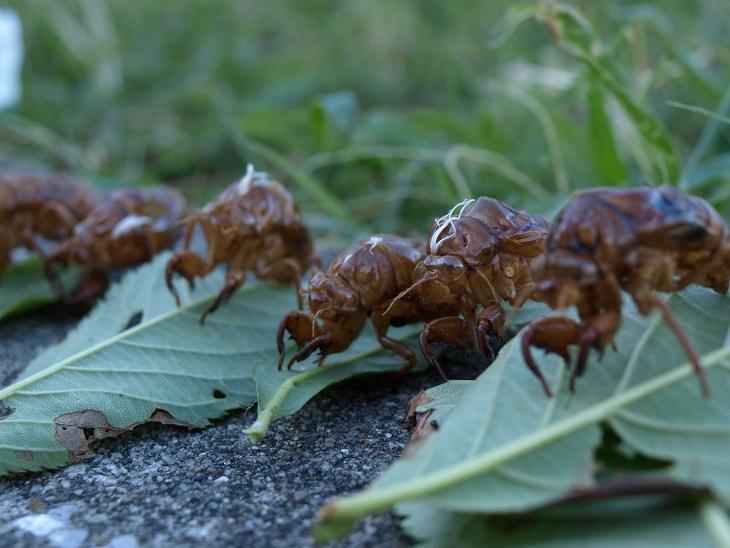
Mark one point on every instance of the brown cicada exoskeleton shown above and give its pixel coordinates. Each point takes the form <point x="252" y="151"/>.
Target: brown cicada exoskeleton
<point x="128" y="228"/>
<point x="641" y="240"/>
<point x="253" y="226"/>
<point x="40" y="206"/>
<point x="478" y="256"/>
<point x="360" y="283"/>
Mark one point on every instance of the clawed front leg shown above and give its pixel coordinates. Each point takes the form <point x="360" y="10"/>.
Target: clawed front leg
<point x="301" y="328"/>
<point x="556" y="334"/>
<point x="321" y="342"/>
<point x="450" y="331"/>
<point x="381" y="323"/>
<point x="453" y="330"/>
<point x="188" y="265"/>
<point x="553" y="334"/>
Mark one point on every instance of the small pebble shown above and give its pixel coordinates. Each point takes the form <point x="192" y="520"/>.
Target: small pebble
<point x="122" y="541"/>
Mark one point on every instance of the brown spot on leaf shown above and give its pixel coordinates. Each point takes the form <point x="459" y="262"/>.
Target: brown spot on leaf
<point x="163" y="417"/>
<point x="25" y="455"/>
<point x="420" y="423"/>
<point x="5" y="412"/>
<point x="77" y="431"/>
<point x="134" y="320"/>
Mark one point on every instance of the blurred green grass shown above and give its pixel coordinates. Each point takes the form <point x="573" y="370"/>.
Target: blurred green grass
<point x="379" y="115"/>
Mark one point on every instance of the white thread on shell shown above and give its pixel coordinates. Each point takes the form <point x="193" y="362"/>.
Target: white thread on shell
<point x="447" y="221"/>
<point x="129" y="223"/>
<point x="373" y="242"/>
<point x="252" y="177"/>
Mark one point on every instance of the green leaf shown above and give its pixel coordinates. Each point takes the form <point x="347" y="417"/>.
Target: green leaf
<point x="141" y="296"/>
<point x="333" y="117"/>
<point x="713" y="170"/>
<point x="633" y="523"/>
<point x="283" y="393"/>
<point x="105" y="380"/>
<point x="506" y="447"/>
<point x="607" y="161"/>
<point x="578" y="38"/>
<point x="709" y="135"/>
<point x="24" y="287"/>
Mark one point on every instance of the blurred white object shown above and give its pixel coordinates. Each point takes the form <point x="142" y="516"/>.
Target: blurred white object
<point x="520" y="73"/>
<point x="11" y="57"/>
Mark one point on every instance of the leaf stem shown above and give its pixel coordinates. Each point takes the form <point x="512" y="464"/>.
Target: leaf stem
<point x="257" y="431"/>
<point x="716" y="521"/>
<point x="349" y="508"/>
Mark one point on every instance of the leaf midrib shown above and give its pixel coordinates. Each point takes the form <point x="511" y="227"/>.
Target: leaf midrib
<point x="376" y="499"/>
<point x="51" y="369"/>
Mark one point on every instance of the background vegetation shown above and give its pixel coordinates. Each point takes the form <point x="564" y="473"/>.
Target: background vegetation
<point x="378" y="115"/>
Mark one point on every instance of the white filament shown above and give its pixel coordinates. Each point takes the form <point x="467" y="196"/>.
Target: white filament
<point x="373" y="242"/>
<point x="252" y="177"/>
<point x="447" y="221"/>
<point x="129" y="223"/>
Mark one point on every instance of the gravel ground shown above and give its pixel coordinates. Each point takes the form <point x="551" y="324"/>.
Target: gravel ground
<point x="162" y="486"/>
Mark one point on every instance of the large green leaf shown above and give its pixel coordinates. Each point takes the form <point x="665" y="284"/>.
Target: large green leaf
<point x="105" y="379"/>
<point x="142" y="296"/>
<point x="24" y="287"/>
<point x="506" y="447"/>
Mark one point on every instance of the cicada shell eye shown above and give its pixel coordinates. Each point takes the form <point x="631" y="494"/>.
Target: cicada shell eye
<point x="475" y="241"/>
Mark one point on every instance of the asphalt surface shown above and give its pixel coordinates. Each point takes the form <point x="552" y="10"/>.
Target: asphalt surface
<point x="163" y="486"/>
